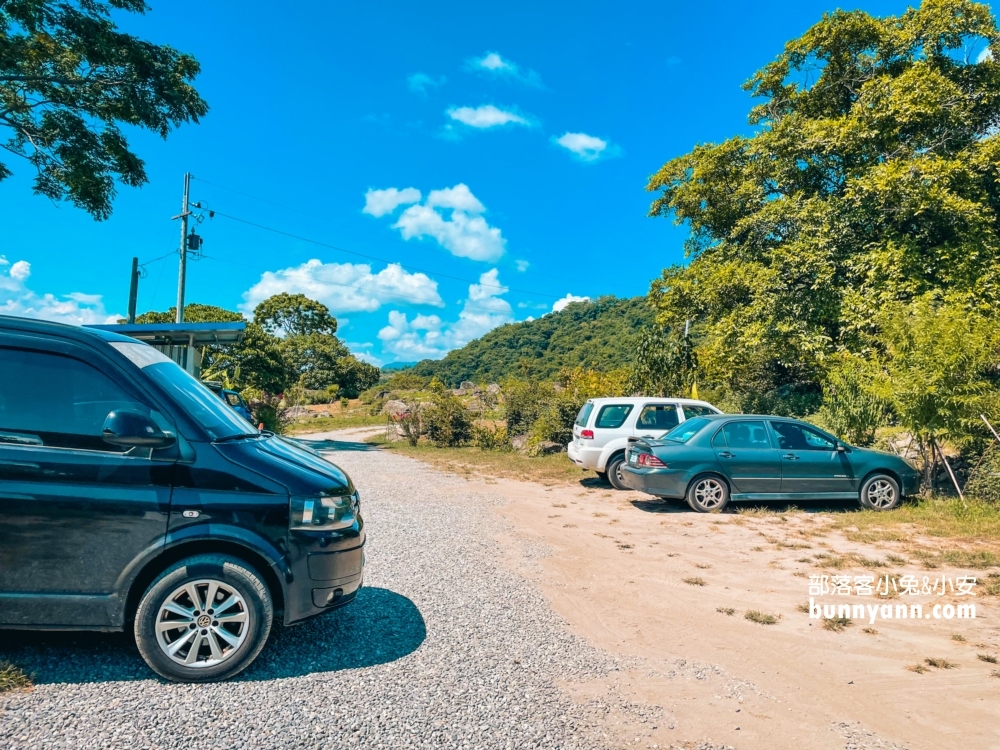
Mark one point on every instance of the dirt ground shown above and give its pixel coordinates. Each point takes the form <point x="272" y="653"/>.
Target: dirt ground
<point x="652" y="580"/>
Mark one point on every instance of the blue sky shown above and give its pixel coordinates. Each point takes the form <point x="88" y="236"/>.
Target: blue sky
<point x="489" y="160"/>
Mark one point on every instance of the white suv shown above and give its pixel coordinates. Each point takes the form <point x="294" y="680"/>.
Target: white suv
<point x="604" y="425"/>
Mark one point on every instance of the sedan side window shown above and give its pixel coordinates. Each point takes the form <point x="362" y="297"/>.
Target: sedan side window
<point x="797" y="437"/>
<point x="747" y="435"/>
<point x="58" y="401"/>
<point x="719" y="441"/>
<point x="612" y="416"/>
<point x="658" y="417"/>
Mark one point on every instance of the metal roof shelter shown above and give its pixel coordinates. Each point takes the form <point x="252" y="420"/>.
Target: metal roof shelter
<point x="181" y="341"/>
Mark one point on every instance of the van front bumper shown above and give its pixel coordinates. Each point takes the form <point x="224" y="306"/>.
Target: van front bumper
<point x="326" y="572"/>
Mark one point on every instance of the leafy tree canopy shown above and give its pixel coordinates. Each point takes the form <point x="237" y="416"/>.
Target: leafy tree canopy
<point x="69" y="79"/>
<point x="599" y="335"/>
<point x="873" y="178"/>
<point x="294" y="315"/>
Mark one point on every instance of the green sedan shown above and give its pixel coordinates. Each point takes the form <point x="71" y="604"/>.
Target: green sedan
<point x="714" y="459"/>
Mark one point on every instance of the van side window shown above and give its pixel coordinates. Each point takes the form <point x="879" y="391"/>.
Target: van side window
<point x="58" y="401"/>
<point x="658" y="417"/>
<point x="612" y="416"/>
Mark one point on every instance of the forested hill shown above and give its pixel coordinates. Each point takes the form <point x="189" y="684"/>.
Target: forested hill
<point x="599" y="334"/>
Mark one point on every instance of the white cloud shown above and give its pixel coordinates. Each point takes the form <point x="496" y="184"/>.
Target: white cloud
<point x="561" y="304"/>
<point x="420" y="82"/>
<point x="986" y="54"/>
<point x="345" y="287"/>
<point x="493" y="64"/>
<point x="363" y="352"/>
<point x="17" y="299"/>
<point x="587" y="147"/>
<point x="382" y="202"/>
<point x="451" y="216"/>
<point x="485" y="116"/>
<point x="522" y="265"/>
<point x="427" y="336"/>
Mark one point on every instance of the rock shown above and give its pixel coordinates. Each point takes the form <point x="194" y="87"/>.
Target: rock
<point x="467" y="385"/>
<point x="493" y="388"/>
<point x="547" y="447"/>
<point x="396" y="408"/>
<point x="458" y="392"/>
<point x="519" y="442"/>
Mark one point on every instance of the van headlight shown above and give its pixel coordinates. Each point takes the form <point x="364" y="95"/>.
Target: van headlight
<point x="322" y="513"/>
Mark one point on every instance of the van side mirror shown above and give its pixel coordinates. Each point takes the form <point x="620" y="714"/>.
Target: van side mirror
<point x="131" y="429"/>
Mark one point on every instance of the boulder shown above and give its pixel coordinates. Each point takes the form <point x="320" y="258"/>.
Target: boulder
<point x="459" y="392"/>
<point x="467" y="385"/>
<point x="519" y="442"/>
<point x="547" y="447"/>
<point x="493" y="388"/>
<point x="396" y="408"/>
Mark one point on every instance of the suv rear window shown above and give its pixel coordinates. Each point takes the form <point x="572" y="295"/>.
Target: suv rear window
<point x="584" y="415"/>
<point x="612" y="416"/>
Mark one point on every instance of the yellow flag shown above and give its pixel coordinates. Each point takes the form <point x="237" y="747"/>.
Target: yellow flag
<point x="694" y="390"/>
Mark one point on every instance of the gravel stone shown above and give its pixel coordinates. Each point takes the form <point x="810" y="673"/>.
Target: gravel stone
<point x="443" y="648"/>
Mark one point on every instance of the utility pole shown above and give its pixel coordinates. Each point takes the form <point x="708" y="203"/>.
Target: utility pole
<point x="182" y="266"/>
<point x="133" y="290"/>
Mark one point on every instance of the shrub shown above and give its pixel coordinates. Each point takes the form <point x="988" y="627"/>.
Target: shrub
<point x="524" y="401"/>
<point x="491" y="438"/>
<point x="984" y="480"/>
<point x="267" y="410"/>
<point x="344" y="402"/>
<point x="445" y="421"/>
<point x="409" y="425"/>
<point x="855" y="402"/>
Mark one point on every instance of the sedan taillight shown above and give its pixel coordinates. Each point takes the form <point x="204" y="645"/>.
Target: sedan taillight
<point x="587" y="434"/>
<point x="648" y="459"/>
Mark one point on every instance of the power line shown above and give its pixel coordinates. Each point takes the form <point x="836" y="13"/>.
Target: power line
<point x="345" y="250"/>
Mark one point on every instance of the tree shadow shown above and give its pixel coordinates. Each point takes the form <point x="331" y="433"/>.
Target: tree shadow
<point x="379" y="626"/>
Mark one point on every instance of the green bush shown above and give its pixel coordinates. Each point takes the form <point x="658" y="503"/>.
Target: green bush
<point x="524" y="401"/>
<point x="854" y="406"/>
<point x="984" y="480"/>
<point x="491" y="438"/>
<point x="267" y="410"/>
<point x="445" y="421"/>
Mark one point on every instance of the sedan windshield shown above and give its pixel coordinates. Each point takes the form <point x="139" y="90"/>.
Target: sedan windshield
<point x="686" y="430"/>
<point x="203" y="406"/>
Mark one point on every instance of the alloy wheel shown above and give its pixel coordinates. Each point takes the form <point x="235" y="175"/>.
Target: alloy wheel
<point x="202" y="623"/>
<point x="881" y="494"/>
<point x="709" y="493"/>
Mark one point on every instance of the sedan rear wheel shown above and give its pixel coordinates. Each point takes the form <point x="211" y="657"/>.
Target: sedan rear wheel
<point x="880" y="492"/>
<point x="708" y="494"/>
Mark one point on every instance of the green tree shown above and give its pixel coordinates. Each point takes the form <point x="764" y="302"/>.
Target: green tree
<point x="68" y="79"/>
<point x="313" y="359"/>
<point x="294" y="315"/>
<point x="665" y="364"/>
<point x="872" y="177"/>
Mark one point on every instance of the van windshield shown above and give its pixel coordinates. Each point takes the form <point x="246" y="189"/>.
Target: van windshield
<point x="686" y="430"/>
<point x="203" y="406"/>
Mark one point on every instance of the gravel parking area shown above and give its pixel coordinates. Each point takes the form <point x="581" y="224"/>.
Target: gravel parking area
<point x="444" y="647"/>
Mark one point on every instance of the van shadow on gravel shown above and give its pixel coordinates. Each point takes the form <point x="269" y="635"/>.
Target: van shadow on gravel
<point x="380" y="626"/>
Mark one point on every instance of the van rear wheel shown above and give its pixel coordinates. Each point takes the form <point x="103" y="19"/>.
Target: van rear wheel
<point x="203" y="619"/>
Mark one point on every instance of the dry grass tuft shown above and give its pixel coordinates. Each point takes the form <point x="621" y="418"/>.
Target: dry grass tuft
<point x="988" y="658"/>
<point x="761" y="618"/>
<point x="837" y="624"/>
<point x="12" y="677"/>
<point x="939" y="663"/>
<point x="918" y="668"/>
<point x="803" y="608"/>
<point x="959" y="638"/>
<point x="695" y="581"/>
<point x="869" y="631"/>
<point x="726" y="610"/>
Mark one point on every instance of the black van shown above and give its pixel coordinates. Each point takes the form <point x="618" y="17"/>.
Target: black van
<point x="132" y="496"/>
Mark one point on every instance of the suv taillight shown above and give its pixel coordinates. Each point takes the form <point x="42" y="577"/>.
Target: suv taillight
<point x="587" y="434"/>
<point x="648" y="459"/>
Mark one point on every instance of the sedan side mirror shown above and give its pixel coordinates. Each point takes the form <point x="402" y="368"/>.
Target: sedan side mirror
<point x="131" y="429"/>
<point x="841" y="448"/>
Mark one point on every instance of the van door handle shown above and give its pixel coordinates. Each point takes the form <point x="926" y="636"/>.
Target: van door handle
<point x="726" y="454"/>
<point x="791" y="457"/>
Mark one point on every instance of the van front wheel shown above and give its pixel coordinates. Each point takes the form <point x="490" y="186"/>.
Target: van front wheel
<point x="203" y="619"/>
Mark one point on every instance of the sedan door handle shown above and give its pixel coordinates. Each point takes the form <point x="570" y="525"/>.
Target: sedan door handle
<point x="726" y="454"/>
<point x="791" y="457"/>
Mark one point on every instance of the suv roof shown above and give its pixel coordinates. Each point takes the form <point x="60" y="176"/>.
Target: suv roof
<point x="636" y="400"/>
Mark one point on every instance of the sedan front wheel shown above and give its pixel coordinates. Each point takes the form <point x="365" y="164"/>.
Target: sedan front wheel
<point x="880" y="492"/>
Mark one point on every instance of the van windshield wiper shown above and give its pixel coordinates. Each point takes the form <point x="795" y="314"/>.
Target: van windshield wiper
<point x="238" y="436"/>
